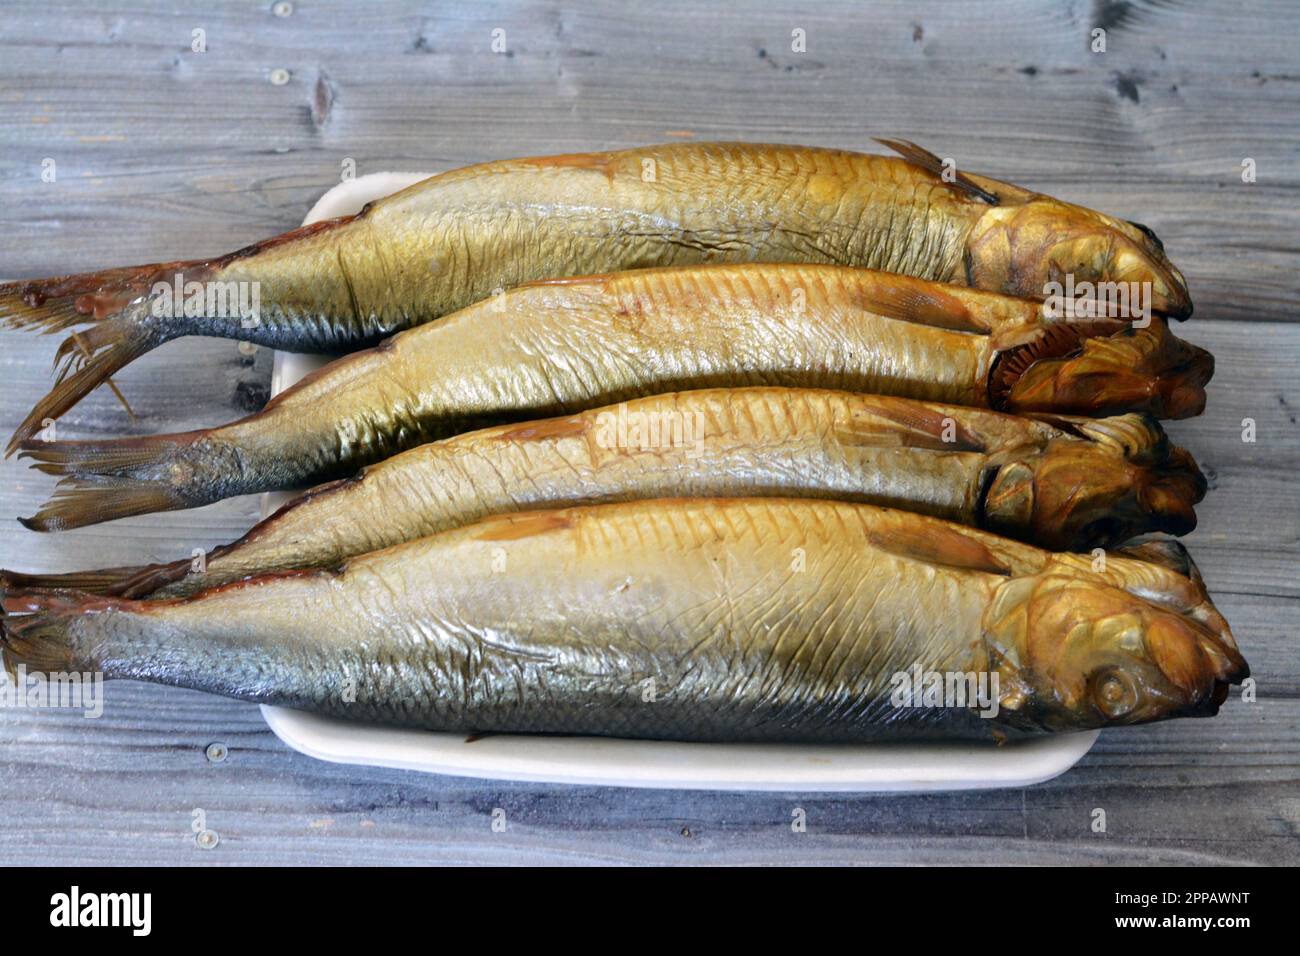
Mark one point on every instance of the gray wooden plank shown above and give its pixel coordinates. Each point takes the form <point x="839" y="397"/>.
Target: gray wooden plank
<point x="124" y="787"/>
<point x="162" y="153"/>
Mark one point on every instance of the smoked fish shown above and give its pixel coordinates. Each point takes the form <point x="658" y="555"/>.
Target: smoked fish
<point x="451" y="240"/>
<point x="1066" y="483"/>
<point x="690" y="619"/>
<point x="560" y="346"/>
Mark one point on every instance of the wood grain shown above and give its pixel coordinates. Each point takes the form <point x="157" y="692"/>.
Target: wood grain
<point x="162" y="152"/>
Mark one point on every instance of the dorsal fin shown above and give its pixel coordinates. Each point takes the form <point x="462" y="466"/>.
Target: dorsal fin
<point x="1165" y="552"/>
<point x="923" y="158"/>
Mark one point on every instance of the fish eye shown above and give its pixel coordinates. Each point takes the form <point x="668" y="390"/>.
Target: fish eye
<point x="1114" y="692"/>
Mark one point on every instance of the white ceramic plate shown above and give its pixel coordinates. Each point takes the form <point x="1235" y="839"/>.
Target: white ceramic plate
<point x="638" y="763"/>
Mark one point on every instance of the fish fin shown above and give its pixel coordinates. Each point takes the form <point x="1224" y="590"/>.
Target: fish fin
<point x="1015" y="334"/>
<point x="100" y="581"/>
<point x="34" y="632"/>
<point x="112" y="456"/>
<point x="106" y="480"/>
<point x="152" y="577"/>
<point x="1165" y="552"/>
<point x="924" y="303"/>
<point x="940" y="543"/>
<point x="63" y="302"/>
<point x="35" y="643"/>
<point x="88" y="361"/>
<point x="78" y="502"/>
<point x="913" y="425"/>
<point x="924" y="159"/>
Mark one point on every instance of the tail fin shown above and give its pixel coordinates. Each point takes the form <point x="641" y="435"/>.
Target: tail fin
<point x="131" y="581"/>
<point x="35" y="629"/>
<point x="86" y="361"/>
<point x="55" y="631"/>
<point x="78" y="502"/>
<point x="143" y="456"/>
<point x="99" y="581"/>
<point x="117" y="478"/>
<point x="65" y="302"/>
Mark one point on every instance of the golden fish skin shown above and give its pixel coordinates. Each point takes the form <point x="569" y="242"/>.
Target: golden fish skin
<point x="453" y="239"/>
<point x="558" y="347"/>
<point x="1072" y="484"/>
<point x="688" y="619"/>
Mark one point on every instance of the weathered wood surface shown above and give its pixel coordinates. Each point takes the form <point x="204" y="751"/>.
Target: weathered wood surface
<point x="163" y="153"/>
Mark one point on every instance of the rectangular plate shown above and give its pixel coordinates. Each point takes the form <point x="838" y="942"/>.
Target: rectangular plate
<point x="641" y="763"/>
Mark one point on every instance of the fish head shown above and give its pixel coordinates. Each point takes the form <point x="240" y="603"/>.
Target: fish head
<point x="1034" y="246"/>
<point x="1070" y="370"/>
<point x="1074" y="652"/>
<point x="1109" y="481"/>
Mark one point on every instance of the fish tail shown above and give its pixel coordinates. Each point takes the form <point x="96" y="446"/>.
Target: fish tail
<point x="166" y="642"/>
<point x="68" y="302"/>
<point x="98" y="581"/>
<point x="132" y="581"/>
<point x="65" y="302"/>
<point x="151" y="577"/>
<point x="36" y="641"/>
<point x="115" y="478"/>
<point x="85" y="501"/>
<point x="86" y="360"/>
<point x="60" y="303"/>
<point x="43" y="631"/>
